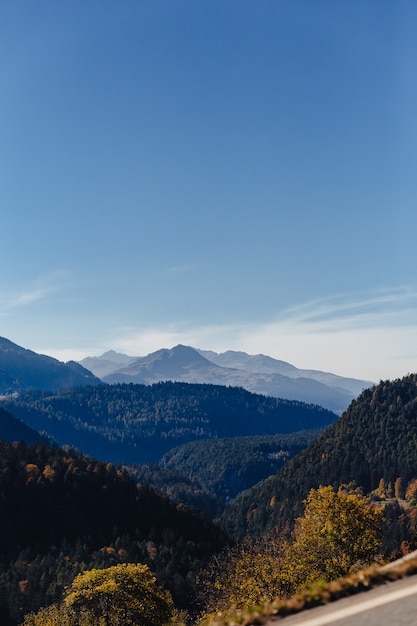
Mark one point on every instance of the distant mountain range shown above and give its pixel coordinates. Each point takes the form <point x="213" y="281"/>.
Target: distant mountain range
<point x="107" y="363"/>
<point x="26" y="378"/>
<point x="21" y="370"/>
<point x="257" y="373"/>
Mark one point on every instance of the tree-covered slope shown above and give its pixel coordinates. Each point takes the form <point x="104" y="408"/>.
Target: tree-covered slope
<point x="178" y="487"/>
<point x="228" y="466"/>
<point x="207" y="474"/>
<point x="62" y="512"/>
<point x="139" y="423"/>
<point x="13" y="429"/>
<point x="375" y="438"/>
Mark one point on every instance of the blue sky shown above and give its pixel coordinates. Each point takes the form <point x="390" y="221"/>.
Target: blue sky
<point x="224" y="174"/>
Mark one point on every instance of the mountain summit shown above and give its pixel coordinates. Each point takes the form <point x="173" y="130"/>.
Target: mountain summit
<point x="106" y="363"/>
<point x="181" y="364"/>
<point x="259" y="374"/>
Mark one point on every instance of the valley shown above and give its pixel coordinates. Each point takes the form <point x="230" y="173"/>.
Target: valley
<point x="174" y="474"/>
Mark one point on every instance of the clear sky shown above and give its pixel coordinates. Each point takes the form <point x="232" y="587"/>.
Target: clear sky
<point x="227" y="174"/>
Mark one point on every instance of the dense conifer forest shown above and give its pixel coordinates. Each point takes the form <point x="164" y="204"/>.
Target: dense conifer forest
<point x="13" y="429"/>
<point x="228" y="466"/>
<point x="62" y="513"/>
<point x="373" y="443"/>
<point x="207" y="474"/>
<point x="130" y="423"/>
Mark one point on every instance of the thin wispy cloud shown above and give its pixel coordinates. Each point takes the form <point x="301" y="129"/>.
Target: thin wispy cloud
<point x="11" y="300"/>
<point x="380" y="308"/>
<point x="41" y="288"/>
<point x="363" y="336"/>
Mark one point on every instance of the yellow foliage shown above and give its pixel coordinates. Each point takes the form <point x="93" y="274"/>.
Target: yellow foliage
<point x="48" y="472"/>
<point x="122" y="595"/>
<point x="244" y="576"/>
<point x="339" y="533"/>
<point x="33" y="472"/>
<point x="53" y="615"/>
<point x="126" y="593"/>
<point x="411" y="492"/>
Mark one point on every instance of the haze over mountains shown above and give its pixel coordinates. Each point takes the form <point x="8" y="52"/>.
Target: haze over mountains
<point x="22" y="370"/>
<point x="259" y="374"/>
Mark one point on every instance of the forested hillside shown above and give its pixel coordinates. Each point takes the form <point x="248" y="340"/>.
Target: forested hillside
<point x="13" y="429"/>
<point x="228" y="466"/>
<point x="206" y="474"/>
<point x="178" y="487"/>
<point x="376" y="438"/>
<point x="62" y="512"/>
<point x="138" y="423"/>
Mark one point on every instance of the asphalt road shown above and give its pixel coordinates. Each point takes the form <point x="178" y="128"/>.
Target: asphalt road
<point x="391" y="604"/>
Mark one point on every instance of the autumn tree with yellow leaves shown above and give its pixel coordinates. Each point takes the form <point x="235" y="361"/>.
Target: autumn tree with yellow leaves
<point x="124" y="595"/>
<point x="339" y="532"/>
<point x="246" y="574"/>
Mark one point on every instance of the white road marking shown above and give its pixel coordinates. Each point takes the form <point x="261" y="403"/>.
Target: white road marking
<point x="360" y="607"/>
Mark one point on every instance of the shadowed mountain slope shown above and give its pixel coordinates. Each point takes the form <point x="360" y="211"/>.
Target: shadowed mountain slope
<point x="229" y="466"/>
<point x="139" y="423"/>
<point x="13" y="429"/>
<point x="22" y="369"/>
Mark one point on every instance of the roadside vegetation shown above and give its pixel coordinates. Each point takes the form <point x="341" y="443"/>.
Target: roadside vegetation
<point x="340" y="533"/>
<point x="334" y="551"/>
<point x="317" y="594"/>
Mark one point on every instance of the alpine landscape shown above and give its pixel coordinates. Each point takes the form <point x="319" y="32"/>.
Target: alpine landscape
<point x="163" y="461"/>
<point x="208" y="313"/>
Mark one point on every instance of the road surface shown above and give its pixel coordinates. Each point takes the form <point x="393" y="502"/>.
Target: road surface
<point x="391" y="604"/>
